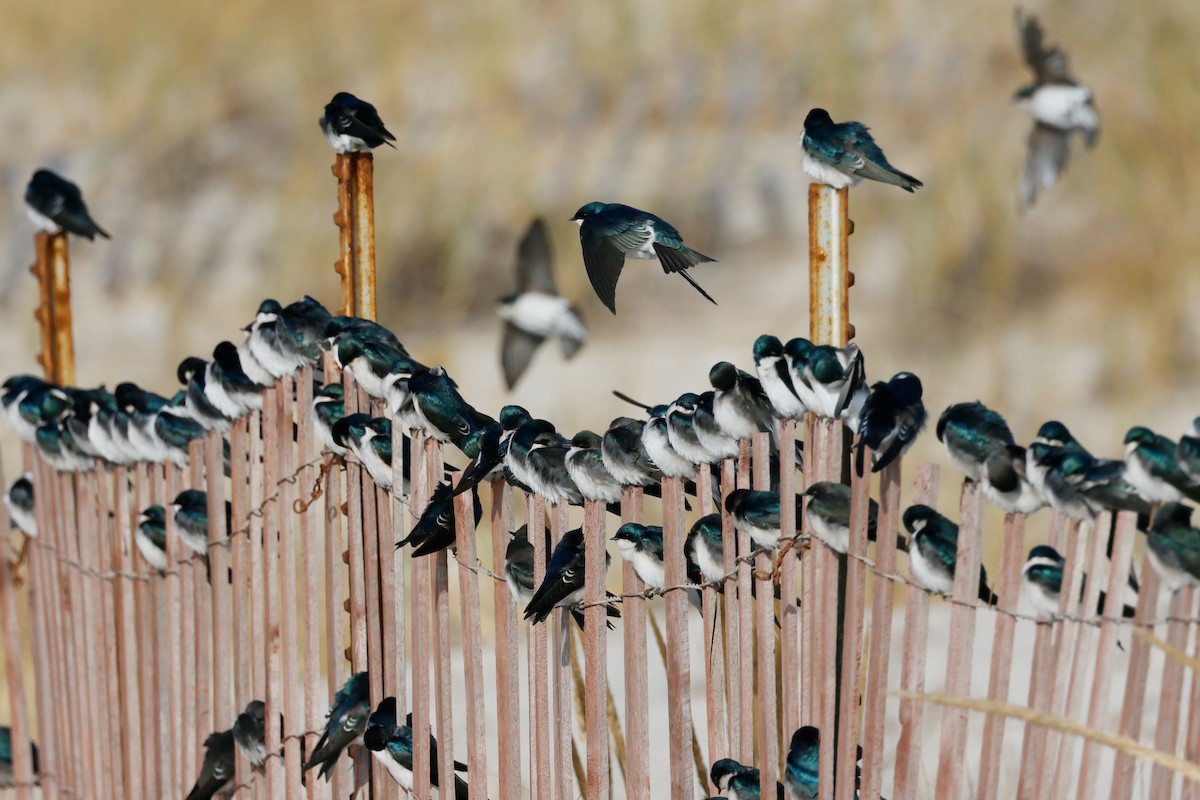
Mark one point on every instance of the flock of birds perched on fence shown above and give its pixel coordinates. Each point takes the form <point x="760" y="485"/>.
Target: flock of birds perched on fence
<point x="81" y="429"/>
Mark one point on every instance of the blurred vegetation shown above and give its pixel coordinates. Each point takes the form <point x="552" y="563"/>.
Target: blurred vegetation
<point x="192" y="130"/>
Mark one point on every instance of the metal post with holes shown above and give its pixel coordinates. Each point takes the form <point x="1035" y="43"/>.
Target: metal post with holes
<point x="52" y="268"/>
<point x="355" y="219"/>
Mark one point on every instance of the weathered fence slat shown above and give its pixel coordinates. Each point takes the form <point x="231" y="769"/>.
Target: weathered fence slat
<point x="595" y="651"/>
<point x="1135" y="681"/>
<point x="679" y="693"/>
<point x="508" y="664"/>
<point x="637" y="700"/>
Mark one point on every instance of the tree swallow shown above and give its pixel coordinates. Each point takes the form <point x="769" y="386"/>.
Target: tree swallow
<point x="249" y="732"/>
<point x="535" y="311"/>
<point x="757" y="513"/>
<point x="1059" y="107"/>
<point x="707" y="545"/>
<point x="1042" y="577"/>
<point x="392" y="746"/>
<point x="55" y="205"/>
<point x="740" y="404"/>
<point x="803" y="764"/>
<point x="1174" y="546"/>
<point x="625" y="456"/>
<point x="656" y="440"/>
<point x="281" y="340"/>
<point x="970" y="432"/>
<point x="892" y="417"/>
<point x="191" y="373"/>
<point x="191" y="519"/>
<point x="836" y="380"/>
<point x="610" y="232"/>
<point x="19" y="500"/>
<point x="6" y="758"/>
<point x="1187" y="452"/>
<point x="841" y="154"/>
<point x="443" y="412"/>
<point x="217" y="770"/>
<point x="563" y="582"/>
<point x="1152" y="469"/>
<point x="829" y="514"/>
<point x="372" y="363"/>
<point x="717" y="443"/>
<point x="175" y="432"/>
<point x="540" y="453"/>
<point x="353" y="126"/>
<point x="933" y="551"/>
<point x="776" y="378"/>
<point x="736" y="781"/>
<point x="1006" y="484"/>
<point x="227" y="386"/>
<point x="681" y="430"/>
<point x="328" y="408"/>
<point x="151" y="537"/>
<point x="347" y="719"/>
<point x="435" y="530"/>
<point x="370" y="439"/>
<point x="585" y="465"/>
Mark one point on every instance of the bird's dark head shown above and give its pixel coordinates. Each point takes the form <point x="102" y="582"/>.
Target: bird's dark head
<point x="588" y="210"/>
<point x="1054" y="432"/>
<point x="191" y="498"/>
<point x="723" y="770"/>
<point x="1045" y="551"/>
<point x="513" y="416"/>
<point x="820" y="489"/>
<point x="1139" y="434"/>
<point x="767" y="346"/>
<point x="190" y="368"/>
<point x="375" y="738"/>
<point x="825" y="365"/>
<point x="630" y="532"/>
<point x="586" y="440"/>
<point x="917" y="517"/>
<point x="806" y="738"/>
<point x="337" y="326"/>
<point x="1173" y="512"/>
<point x="155" y="515"/>
<point x="733" y="501"/>
<point x="343" y="99"/>
<point x="722" y="376"/>
<point x="269" y="307"/>
<point x="906" y="387"/>
<point x="687" y="401"/>
<point x="816" y="118"/>
<point x="708" y="526"/>
<point x="382" y="426"/>
<point x="797" y="350"/>
<point x="333" y="391"/>
<point x="349" y="427"/>
<point x="226" y="356"/>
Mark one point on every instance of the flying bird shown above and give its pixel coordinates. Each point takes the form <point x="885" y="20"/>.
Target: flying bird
<point x="610" y="232"/>
<point x="535" y="311"/>
<point x="55" y="205"/>
<point x="841" y="154"/>
<point x="353" y="126"/>
<point x="1059" y="107"/>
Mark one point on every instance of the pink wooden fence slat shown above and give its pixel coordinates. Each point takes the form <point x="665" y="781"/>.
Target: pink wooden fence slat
<point x="828" y="451"/>
<point x="127" y="635"/>
<point x="1135" y="681"/>
<point x="422" y="594"/>
<point x="1008" y="587"/>
<point x="808" y="589"/>
<point x="732" y="612"/>
<point x="269" y="590"/>
<point x="789" y="613"/>
<point x="1098" y="706"/>
<point x="679" y="697"/>
<point x="595" y="651"/>
<point x="714" y="642"/>
<point x="289" y="420"/>
<point x="508" y="665"/>
<point x="745" y="628"/>
<point x="768" y="719"/>
<point x="1171" y="698"/>
<point x="912" y="669"/>
<point x="542" y="784"/>
<point x="44" y="624"/>
<point x="633" y="624"/>
<point x="443" y="689"/>
<point x="468" y="583"/>
<point x="561" y="681"/>
<point x="20" y="756"/>
<point x="883" y="598"/>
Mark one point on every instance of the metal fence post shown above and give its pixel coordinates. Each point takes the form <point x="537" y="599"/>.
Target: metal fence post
<point x="355" y="219"/>
<point x="52" y="268"/>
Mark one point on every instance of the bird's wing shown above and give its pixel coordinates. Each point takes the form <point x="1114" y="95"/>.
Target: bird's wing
<point x="1045" y="159"/>
<point x="535" y="263"/>
<point x="604" y="258"/>
<point x="517" y="349"/>
<point x="363" y="122"/>
<point x="866" y="159"/>
<point x="1049" y="64"/>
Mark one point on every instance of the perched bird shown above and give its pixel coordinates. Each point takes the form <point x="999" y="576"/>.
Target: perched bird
<point x="151" y="537"/>
<point x="740" y="405"/>
<point x="443" y="412"/>
<point x="707" y="546"/>
<point x="736" y="781"/>
<point x="610" y="232"/>
<point x="757" y="513"/>
<point x="776" y="378"/>
<point x="712" y="437"/>
<point x="892" y="417"/>
<point x="642" y="546"/>
<point x="192" y="373"/>
<point x="1042" y="577"/>
<point x="6" y="758"/>
<point x="1059" y="107"/>
<point x="518" y="564"/>
<point x="217" y="770"/>
<point x="535" y="311"/>
<point x="328" y="408"/>
<point x="841" y="154"/>
<point x="1174" y="546"/>
<point x="487" y="460"/>
<point x="831" y="381"/>
<point x="250" y="730"/>
<point x="392" y="746"/>
<point x="933" y="551"/>
<point x="681" y="431"/>
<point x="55" y="205"/>
<point x="970" y="432"/>
<point x="585" y="464"/>
<point x="372" y="363"/>
<point x="537" y="454"/>
<point x="1187" y="452"/>
<point x="353" y="126"/>
<point x="347" y="719"/>
<point x="370" y="439"/>
<point x="803" y="764"/>
<point x="563" y="582"/>
<point x="625" y="455"/>
<point x="1153" y="470"/>
<point x="829" y="514"/>
<point x="657" y="443"/>
<point x="19" y="500"/>
<point x="175" y="432"/>
<point x="227" y="386"/>
<point x="1005" y="482"/>
<point x="281" y="339"/>
<point x="435" y="530"/>
<point x="191" y="519"/>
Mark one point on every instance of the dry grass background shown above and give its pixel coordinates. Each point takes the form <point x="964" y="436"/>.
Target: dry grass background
<point x="192" y="130"/>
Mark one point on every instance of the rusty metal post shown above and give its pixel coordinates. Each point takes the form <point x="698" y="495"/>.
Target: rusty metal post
<point x="355" y="219"/>
<point x="52" y="268"/>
